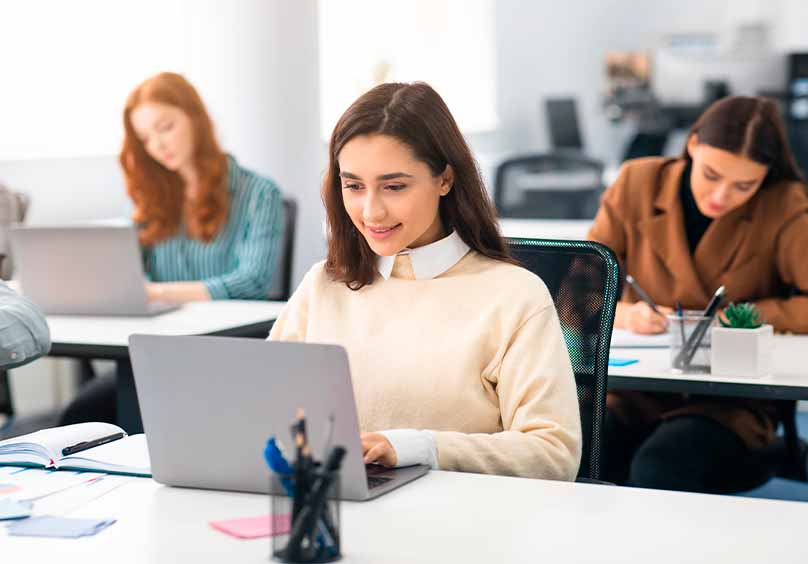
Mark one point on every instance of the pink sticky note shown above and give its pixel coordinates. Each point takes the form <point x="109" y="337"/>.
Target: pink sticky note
<point x="254" y="527"/>
<point x="8" y="488"/>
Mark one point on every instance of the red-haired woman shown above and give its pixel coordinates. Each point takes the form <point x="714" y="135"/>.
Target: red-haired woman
<point x="456" y="353"/>
<point x="210" y="229"/>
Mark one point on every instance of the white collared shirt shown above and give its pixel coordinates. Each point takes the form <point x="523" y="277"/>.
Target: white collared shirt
<point x="411" y="445"/>
<point x="430" y="260"/>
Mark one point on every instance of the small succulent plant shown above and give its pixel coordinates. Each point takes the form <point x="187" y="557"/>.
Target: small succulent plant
<point x="742" y="316"/>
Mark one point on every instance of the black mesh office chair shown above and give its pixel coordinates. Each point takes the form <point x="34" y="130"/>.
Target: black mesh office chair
<point x="583" y="278"/>
<point x="282" y="278"/>
<point x="548" y="186"/>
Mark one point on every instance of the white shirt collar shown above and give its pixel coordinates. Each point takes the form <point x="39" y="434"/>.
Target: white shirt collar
<point x="430" y="260"/>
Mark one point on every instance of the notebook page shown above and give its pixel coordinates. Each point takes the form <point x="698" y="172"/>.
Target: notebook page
<point x="52" y="441"/>
<point x="622" y="338"/>
<point x="130" y="455"/>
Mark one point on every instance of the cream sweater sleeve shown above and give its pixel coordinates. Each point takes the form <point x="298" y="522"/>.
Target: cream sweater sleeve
<point x="539" y="409"/>
<point x="292" y="323"/>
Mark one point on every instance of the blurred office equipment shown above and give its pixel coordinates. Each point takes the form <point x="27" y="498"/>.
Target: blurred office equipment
<point x="796" y="111"/>
<point x="664" y="90"/>
<point x="548" y="186"/>
<point x="562" y="124"/>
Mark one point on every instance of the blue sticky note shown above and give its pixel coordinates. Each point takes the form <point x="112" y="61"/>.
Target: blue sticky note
<point x="10" y="509"/>
<point x="58" y="527"/>
<point x="622" y="361"/>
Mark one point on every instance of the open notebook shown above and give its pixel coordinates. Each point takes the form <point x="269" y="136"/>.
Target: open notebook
<point x="622" y="338"/>
<point x="122" y="454"/>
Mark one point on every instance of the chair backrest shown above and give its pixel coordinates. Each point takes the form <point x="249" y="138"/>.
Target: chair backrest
<point x="548" y="186"/>
<point x="646" y="144"/>
<point x="583" y="278"/>
<point x="281" y="287"/>
<point x="562" y="123"/>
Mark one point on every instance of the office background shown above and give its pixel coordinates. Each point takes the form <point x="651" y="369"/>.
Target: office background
<point x="265" y="69"/>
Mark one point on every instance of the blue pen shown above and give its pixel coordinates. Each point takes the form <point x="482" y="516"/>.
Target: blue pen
<point x="278" y="464"/>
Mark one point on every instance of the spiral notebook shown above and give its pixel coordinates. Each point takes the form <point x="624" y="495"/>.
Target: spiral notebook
<point x="71" y="447"/>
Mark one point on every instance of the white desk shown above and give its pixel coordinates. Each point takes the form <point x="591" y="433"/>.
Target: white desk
<point x="449" y="517"/>
<point x="789" y="379"/>
<point x="570" y="229"/>
<point x="108" y="337"/>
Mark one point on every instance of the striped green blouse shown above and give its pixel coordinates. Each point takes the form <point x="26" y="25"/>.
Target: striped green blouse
<point x="239" y="262"/>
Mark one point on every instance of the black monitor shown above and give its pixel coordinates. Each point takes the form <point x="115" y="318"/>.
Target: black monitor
<point x="562" y="122"/>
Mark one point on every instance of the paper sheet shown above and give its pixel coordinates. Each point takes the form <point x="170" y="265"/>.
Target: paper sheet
<point x="622" y="338"/>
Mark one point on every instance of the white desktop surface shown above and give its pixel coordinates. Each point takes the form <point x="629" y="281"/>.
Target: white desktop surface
<point x="789" y="365"/>
<point x="449" y="517"/>
<point x="570" y="229"/>
<point x="196" y="318"/>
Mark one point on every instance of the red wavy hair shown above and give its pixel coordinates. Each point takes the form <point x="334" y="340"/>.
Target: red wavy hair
<point x="158" y="193"/>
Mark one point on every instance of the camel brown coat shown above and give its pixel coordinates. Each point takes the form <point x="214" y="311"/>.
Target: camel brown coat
<point x="758" y="251"/>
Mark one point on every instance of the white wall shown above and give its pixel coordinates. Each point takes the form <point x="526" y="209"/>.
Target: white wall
<point x="256" y="64"/>
<point x="66" y="189"/>
<point x="792" y="18"/>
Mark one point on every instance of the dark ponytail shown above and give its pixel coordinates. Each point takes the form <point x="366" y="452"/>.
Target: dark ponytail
<point x="751" y="127"/>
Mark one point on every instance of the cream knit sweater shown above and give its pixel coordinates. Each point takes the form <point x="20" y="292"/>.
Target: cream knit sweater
<point x="475" y="356"/>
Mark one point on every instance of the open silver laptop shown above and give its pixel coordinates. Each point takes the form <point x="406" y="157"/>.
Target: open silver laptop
<point x="82" y="270"/>
<point x="209" y="404"/>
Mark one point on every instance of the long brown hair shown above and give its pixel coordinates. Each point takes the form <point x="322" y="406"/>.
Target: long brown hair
<point x="415" y="115"/>
<point x="158" y="194"/>
<point x="750" y="127"/>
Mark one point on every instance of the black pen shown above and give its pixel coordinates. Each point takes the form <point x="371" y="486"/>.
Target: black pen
<point x="640" y="292"/>
<point x="85" y="445"/>
<point x="313" y="509"/>
<point x="685" y="355"/>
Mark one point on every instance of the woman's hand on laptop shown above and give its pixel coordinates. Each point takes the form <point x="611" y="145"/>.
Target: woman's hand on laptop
<point x="376" y="449"/>
<point x="176" y="292"/>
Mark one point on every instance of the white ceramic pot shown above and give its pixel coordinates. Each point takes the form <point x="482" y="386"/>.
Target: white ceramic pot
<point x="744" y="353"/>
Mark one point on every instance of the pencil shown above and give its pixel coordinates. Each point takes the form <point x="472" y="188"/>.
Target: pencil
<point x="640" y="292"/>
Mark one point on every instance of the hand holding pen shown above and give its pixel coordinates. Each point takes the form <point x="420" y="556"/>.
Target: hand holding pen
<point x="643" y="317"/>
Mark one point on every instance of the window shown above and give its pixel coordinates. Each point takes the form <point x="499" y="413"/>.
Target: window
<point x="67" y="68"/>
<point x="447" y="43"/>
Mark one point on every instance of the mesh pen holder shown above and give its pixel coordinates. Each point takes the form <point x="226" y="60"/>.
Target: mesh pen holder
<point x="318" y="542"/>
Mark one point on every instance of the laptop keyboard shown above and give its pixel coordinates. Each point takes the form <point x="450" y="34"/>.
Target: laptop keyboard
<point x="376" y="481"/>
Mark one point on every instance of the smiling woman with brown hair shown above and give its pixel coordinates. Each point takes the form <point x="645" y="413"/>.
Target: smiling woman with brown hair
<point x="733" y="212"/>
<point x="456" y="352"/>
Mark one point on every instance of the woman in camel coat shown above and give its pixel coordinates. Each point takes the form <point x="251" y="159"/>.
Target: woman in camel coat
<point x="732" y="211"/>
